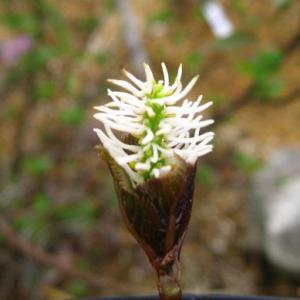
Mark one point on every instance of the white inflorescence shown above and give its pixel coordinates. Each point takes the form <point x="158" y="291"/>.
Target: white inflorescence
<point x="150" y="112"/>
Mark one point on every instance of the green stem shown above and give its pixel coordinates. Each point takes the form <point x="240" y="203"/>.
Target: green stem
<point x="168" y="282"/>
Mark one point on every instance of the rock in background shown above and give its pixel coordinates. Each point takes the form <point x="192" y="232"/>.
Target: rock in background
<point x="275" y="209"/>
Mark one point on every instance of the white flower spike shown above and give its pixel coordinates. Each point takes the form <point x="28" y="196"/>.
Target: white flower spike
<point x="150" y="111"/>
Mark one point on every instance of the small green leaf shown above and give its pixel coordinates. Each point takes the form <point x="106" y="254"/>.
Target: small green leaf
<point x="268" y="88"/>
<point x="198" y="14"/>
<point x="238" y="6"/>
<point x="10" y="113"/>
<point x="79" y="216"/>
<point x="37" y="165"/>
<point x="283" y="4"/>
<point x="162" y="16"/>
<point x="44" y="90"/>
<point x="33" y="226"/>
<point x="37" y="58"/>
<point x="24" y="22"/>
<point x="41" y="204"/>
<point x="179" y="36"/>
<point x="247" y="163"/>
<point x="264" y="63"/>
<point x="263" y="69"/>
<point x="109" y="5"/>
<point x="72" y="116"/>
<point x="102" y="58"/>
<point x="88" y="23"/>
<point x="78" y="288"/>
<point x="83" y="264"/>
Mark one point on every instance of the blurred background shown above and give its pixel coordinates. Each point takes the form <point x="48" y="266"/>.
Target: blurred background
<point x="61" y="233"/>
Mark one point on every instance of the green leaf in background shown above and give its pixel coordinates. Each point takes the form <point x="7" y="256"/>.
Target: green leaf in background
<point x="194" y="60"/>
<point x="22" y="22"/>
<point x="57" y="23"/>
<point x="264" y="63"/>
<point x="37" y="165"/>
<point x="268" y="88"/>
<point x="32" y="226"/>
<point x="198" y="14"/>
<point x="72" y="116"/>
<point x="161" y="16"/>
<point x="264" y="69"/>
<point x="205" y="175"/>
<point x="102" y="58"/>
<point x="88" y="23"/>
<point x="267" y="61"/>
<point x="220" y="101"/>
<point x="83" y="264"/>
<point x="10" y="113"/>
<point x="179" y="36"/>
<point x="77" y="288"/>
<point x="41" y="204"/>
<point x="109" y="5"/>
<point x="238" y="6"/>
<point x="37" y="58"/>
<point x="44" y="90"/>
<point x="81" y="214"/>
<point x="283" y="4"/>
<point x="247" y="163"/>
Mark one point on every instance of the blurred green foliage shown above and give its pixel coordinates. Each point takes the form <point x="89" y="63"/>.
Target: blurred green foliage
<point x="44" y="90"/>
<point x="198" y="15"/>
<point x="238" y="6"/>
<point x="81" y="213"/>
<point x="206" y="175"/>
<point x="21" y="22"/>
<point x="236" y="40"/>
<point x="163" y="16"/>
<point x="88" y="23"/>
<point x="248" y="164"/>
<point x="38" y="164"/>
<point x="77" y="288"/>
<point x="109" y="5"/>
<point x="194" y="60"/>
<point x="72" y="116"/>
<point x="283" y="4"/>
<point x="41" y="204"/>
<point x="102" y="58"/>
<point x="264" y="70"/>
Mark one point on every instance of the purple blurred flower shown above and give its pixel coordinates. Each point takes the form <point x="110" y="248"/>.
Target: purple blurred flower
<point x="12" y="49"/>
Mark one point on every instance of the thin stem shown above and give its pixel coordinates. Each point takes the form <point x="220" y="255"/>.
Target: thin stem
<point x="169" y="282"/>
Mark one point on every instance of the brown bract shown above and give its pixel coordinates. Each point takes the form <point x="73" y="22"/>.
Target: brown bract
<point x="157" y="214"/>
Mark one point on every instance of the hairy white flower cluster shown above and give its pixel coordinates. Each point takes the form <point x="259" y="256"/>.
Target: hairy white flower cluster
<point x="150" y="111"/>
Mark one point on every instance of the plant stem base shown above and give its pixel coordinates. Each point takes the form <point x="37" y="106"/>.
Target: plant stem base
<point x="169" y="287"/>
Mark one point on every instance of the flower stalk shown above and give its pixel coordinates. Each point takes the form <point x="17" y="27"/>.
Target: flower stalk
<point x="169" y="283"/>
